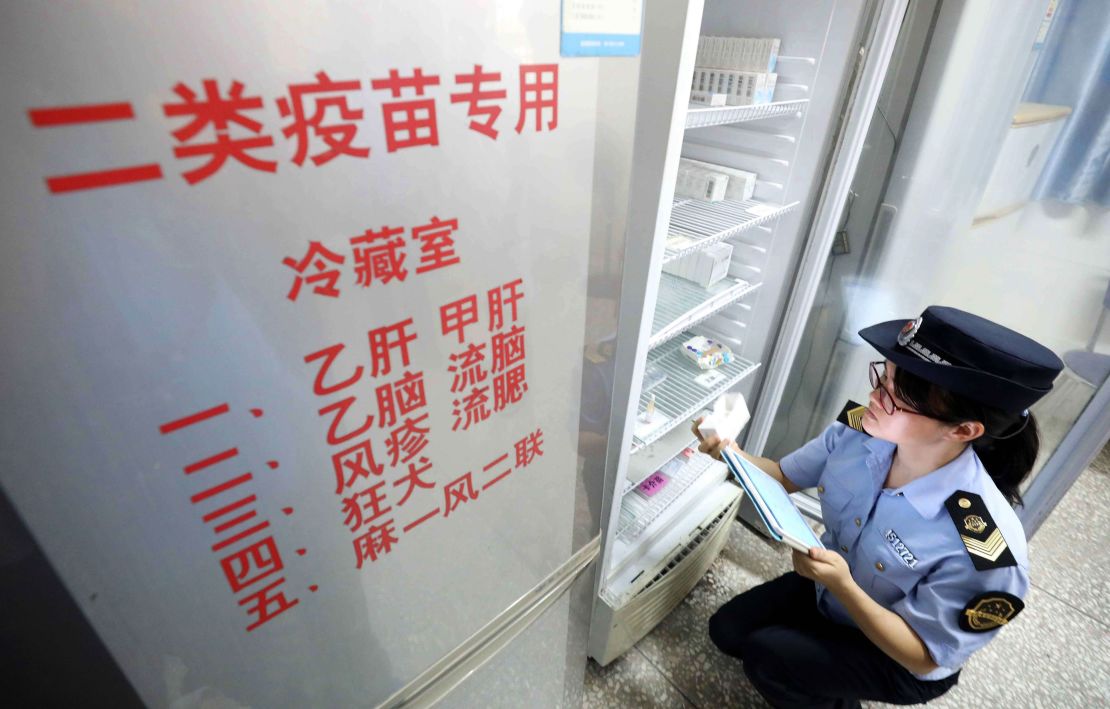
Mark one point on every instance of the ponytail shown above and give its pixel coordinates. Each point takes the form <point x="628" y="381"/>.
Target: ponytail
<point x="1009" y="458"/>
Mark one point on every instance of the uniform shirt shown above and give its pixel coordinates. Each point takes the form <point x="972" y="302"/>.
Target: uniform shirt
<point x="901" y="544"/>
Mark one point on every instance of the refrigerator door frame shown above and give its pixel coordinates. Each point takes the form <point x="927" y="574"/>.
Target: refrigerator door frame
<point x="875" y="51"/>
<point x="670" y="38"/>
<point x="1087" y="436"/>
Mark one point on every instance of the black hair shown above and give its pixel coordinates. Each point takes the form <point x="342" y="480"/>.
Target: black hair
<point x="1008" y="448"/>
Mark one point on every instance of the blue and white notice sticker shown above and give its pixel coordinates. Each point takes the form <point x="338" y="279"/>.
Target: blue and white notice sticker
<point x="602" y="28"/>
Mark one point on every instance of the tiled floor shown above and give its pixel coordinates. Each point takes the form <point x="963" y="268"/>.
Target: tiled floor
<point x="1056" y="655"/>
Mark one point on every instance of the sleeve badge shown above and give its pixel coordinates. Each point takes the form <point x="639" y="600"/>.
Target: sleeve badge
<point x="990" y="610"/>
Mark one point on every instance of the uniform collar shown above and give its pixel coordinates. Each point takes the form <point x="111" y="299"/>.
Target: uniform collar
<point x="878" y="462"/>
<point x="928" y="493"/>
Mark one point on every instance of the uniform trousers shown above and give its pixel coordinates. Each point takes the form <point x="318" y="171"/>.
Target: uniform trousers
<point x="796" y="657"/>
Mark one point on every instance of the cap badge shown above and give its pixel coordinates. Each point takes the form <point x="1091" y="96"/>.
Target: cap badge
<point x="910" y="329"/>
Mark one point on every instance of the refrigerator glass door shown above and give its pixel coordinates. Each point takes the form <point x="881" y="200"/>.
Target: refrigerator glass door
<point x="957" y="221"/>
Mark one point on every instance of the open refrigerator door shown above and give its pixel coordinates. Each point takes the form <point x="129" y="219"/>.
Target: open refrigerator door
<point x="739" y="177"/>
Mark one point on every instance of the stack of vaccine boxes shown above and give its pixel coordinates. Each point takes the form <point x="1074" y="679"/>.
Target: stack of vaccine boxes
<point x="735" y="71"/>
<point x="705" y="267"/>
<point x="703" y="180"/>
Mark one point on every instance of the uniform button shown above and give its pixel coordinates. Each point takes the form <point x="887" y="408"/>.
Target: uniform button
<point x="858" y="521"/>
<point x="879" y="565"/>
<point x="821" y="489"/>
<point x="843" y="548"/>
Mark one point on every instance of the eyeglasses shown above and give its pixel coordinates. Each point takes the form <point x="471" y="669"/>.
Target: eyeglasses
<point x="886" y="399"/>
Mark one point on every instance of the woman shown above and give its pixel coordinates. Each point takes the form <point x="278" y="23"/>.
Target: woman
<point x="925" y="558"/>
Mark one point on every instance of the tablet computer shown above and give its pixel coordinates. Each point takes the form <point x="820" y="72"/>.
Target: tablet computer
<point x="782" y="519"/>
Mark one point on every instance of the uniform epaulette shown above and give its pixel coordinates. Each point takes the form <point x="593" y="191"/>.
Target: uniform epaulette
<point x="852" y="416"/>
<point x="979" y="533"/>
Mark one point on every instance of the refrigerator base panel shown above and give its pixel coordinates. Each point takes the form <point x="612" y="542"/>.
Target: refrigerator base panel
<point x="622" y="620"/>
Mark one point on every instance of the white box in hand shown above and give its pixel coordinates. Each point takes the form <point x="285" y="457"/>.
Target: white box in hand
<point x="730" y="415"/>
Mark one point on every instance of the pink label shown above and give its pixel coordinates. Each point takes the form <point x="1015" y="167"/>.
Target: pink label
<point x="654" y="483"/>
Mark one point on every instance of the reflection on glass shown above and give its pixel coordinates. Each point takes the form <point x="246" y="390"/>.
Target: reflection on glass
<point x="999" y="207"/>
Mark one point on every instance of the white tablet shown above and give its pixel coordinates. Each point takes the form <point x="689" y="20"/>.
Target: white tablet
<point x="783" y="520"/>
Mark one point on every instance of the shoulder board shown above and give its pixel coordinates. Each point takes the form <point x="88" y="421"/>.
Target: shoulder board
<point x="982" y="537"/>
<point x="852" y="416"/>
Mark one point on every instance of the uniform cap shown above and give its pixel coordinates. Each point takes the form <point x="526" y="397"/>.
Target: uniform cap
<point x="970" y="356"/>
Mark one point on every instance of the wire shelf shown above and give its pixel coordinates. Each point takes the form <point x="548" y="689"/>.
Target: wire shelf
<point x="687" y="389"/>
<point x="705" y="116"/>
<point x="683" y="304"/>
<point x="697" y="223"/>
<point x="638" y="512"/>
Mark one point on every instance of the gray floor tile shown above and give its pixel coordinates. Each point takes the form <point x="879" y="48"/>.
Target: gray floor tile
<point x="1101" y="463"/>
<point x="1057" y="653"/>
<point x="1070" y="555"/>
<point x="755" y="553"/>
<point x="629" y="681"/>
<point x="680" y="645"/>
<point x="1050" y="657"/>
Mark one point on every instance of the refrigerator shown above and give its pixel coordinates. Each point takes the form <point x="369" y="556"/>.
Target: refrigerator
<point x="874" y="160"/>
<point x="669" y="508"/>
<point x="134" y="303"/>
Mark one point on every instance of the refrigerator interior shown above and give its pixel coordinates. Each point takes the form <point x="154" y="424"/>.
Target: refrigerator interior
<point x="664" y="530"/>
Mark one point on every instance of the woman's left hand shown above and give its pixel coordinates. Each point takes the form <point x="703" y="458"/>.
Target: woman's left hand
<point x="824" y="566"/>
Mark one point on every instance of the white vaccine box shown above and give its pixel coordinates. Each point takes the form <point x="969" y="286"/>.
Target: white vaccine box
<point x="729" y="416"/>
<point x="764" y="88"/>
<point x="707" y="98"/>
<point x="741" y="183"/>
<point x="712" y="264"/>
<point x="743" y="93"/>
<point x="679" y="267"/>
<point x="721" y="86"/>
<point x="748" y="97"/>
<point x="773" y="56"/>
<point x="735" y="46"/>
<point x="763" y="57"/>
<point x="705" y="267"/>
<point x="699" y="183"/>
<point x="753" y="88"/>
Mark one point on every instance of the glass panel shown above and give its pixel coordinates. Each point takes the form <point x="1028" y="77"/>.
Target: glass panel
<point x="994" y="202"/>
<point x="245" y="399"/>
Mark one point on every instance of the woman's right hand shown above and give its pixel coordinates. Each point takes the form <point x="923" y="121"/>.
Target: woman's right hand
<point x="711" y="445"/>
